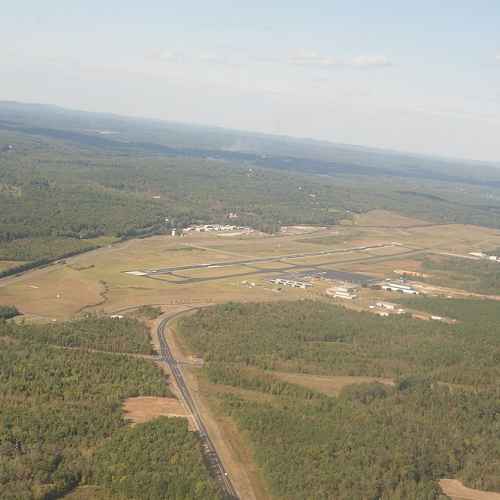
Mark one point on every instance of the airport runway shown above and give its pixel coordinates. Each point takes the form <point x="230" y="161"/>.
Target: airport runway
<point x="257" y="260"/>
<point x="291" y="269"/>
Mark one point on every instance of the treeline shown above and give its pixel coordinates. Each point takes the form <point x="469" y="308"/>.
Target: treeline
<point x="29" y="249"/>
<point x="321" y="338"/>
<point x="481" y="276"/>
<point x="62" y="424"/>
<point x="8" y="312"/>
<point x="11" y="271"/>
<point x="52" y="190"/>
<point x="127" y="335"/>
<point x="148" y="312"/>
<point x="372" y="441"/>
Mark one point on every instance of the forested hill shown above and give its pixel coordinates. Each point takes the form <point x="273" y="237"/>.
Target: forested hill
<point x="122" y="134"/>
<point x="71" y="181"/>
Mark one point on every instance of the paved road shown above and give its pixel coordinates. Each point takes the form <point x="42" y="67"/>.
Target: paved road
<point x="211" y="454"/>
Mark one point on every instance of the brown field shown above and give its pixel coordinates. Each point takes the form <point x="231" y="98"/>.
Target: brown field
<point x="331" y="386"/>
<point x="56" y="291"/>
<point x="385" y="218"/>
<point x="299" y="230"/>
<point x="143" y="409"/>
<point x="454" y="489"/>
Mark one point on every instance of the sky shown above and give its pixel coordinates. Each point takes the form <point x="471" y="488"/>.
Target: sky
<point x="410" y="76"/>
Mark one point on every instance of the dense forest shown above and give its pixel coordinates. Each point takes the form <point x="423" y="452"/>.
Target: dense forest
<point x="320" y="338"/>
<point x="7" y="312"/>
<point x="162" y="460"/>
<point x="61" y="419"/>
<point x="125" y="335"/>
<point x="66" y="192"/>
<point x="371" y="441"/>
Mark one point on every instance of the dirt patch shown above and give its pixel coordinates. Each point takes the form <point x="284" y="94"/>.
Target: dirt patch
<point x="328" y="385"/>
<point x="143" y="409"/>
<point x="457" y="491"/>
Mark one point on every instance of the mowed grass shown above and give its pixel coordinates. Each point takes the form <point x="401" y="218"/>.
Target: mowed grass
<point x="56" y="292"/>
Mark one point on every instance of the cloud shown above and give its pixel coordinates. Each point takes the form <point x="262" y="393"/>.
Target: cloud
<point x="165" y="55"/>
<point x="304" y="57"/>
<point x="370" y="61"/>
<point x="174" y="56"/>
<point x="210" y="57"/>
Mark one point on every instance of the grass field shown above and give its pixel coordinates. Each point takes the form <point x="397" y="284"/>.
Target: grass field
<point x="97" y="281"/>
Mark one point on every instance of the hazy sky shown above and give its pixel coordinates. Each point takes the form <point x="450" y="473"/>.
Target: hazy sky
<point x="417" y="76"/>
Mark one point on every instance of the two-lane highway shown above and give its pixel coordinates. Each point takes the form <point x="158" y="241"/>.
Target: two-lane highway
<point x="211" y="454"/>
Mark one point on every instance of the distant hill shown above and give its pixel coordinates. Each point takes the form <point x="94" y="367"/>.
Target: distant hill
<point x="117" y="133"/>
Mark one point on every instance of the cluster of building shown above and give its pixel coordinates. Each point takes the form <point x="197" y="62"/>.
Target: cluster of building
<point x="386" y="308"/>
<point x="291" y="283"/>
<point x="481" y="255"/>
<point x="205" y="228"/>
<point x="415" y="274"/>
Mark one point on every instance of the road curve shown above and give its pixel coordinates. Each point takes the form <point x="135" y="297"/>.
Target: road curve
<point x="208" y="447"/>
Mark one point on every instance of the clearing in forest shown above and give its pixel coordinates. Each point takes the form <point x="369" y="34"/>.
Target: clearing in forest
<point x="331" y="386"/>
<point x="146" y="408"/>
<point x="457" y="491"/>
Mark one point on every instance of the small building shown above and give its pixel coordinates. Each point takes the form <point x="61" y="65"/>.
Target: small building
<point x="386" y="305"/>
<point x="291" y="283"/>
<point x="116" y="316"/>
<point x="389" y="306"/>
<point x="343" y="292"/>
<point x="398" y="287"/>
